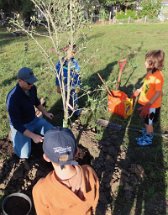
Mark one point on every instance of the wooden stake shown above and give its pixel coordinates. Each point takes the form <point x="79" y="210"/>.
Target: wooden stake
<point x="106" y="87"/>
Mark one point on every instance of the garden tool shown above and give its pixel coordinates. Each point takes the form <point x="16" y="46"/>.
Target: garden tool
<point x="118" y="102"/>
<point x="121" y="64"/>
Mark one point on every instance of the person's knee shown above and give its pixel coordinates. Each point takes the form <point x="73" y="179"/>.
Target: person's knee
<point x="23" y="150"/>
<point x="46" y="125"/>
<point x="21" y="145"/>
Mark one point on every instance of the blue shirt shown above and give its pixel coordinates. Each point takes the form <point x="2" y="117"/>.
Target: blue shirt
<point x="74" y="73"/>
<point x="20" y="106"/>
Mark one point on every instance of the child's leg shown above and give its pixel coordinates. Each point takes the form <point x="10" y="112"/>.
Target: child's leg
<point x="149" y="128"/>
<point x="147" y="136"/>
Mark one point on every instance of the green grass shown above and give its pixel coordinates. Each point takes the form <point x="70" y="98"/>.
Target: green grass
<point x="105" y="45"/>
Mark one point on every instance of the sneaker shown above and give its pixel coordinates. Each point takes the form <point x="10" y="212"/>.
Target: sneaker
<point x="145" y="140"/>
<point x="143" y="132"/>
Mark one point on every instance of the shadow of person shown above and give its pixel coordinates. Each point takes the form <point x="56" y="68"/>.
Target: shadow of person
<point x="58" y="112"/>
<point x="5" y="39"/>
<point x="142" y="188"/>
<point x="93" y="81"/>
<point x="7" y="81"/>
<point x="107" y="165"/>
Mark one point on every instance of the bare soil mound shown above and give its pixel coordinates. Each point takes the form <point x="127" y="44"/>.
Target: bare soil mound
<point x="122" y="173"/>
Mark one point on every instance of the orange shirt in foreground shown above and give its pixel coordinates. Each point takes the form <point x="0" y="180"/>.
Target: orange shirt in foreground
<point x="153" y="82"/>
<point x="53" y="198"/>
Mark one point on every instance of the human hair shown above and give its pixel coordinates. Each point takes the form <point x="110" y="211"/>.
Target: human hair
<point x="155" y="59"/>
<point x="68" y="47"/>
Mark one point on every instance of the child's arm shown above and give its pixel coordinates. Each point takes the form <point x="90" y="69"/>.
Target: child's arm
<point x="77" y="67"/>
<point x="155" y="97"/>
<point x="58" y="65"/>
<point x="144" y="110"/>
<point x="40" y="207"/>
<point x="76" y="75"/>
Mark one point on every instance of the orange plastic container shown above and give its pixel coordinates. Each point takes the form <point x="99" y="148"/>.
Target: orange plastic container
<point x="120" y="104"/>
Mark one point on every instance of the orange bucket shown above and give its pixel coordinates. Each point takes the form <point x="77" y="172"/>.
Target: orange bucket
<point x="120" y="104"/>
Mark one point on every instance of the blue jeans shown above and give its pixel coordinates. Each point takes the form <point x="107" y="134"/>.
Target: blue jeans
<point x="21" y="143"/>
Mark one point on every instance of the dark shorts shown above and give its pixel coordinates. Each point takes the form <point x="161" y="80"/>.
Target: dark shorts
<point x="153" y="116"/>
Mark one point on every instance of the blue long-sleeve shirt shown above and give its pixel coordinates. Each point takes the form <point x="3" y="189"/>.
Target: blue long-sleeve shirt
<point x="20" y="106"/>
<point x="74" y="73"/>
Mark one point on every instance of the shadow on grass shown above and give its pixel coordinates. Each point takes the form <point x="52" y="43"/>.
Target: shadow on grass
<point x="134" y="194"/>
<point x="5" y="39"/>
<point x="145" y="193"/>
<point x="93" y="81"/>
<point x="110" y="145"/>
<point x="95" y="36"/>
<point x="7" y="81"/>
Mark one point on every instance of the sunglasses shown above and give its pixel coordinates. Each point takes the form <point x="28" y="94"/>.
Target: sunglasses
<point x="27" y="83"/>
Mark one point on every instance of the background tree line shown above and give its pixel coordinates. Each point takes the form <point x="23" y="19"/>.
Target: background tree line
<point x="105" y="9"/>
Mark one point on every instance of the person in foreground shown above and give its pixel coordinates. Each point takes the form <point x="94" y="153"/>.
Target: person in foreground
<point x="23" y="122"/>
<point x="70" y="188"/>
<point x="151" y="94"/>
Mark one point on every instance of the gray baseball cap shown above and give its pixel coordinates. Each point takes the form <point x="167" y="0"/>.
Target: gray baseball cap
<point x="27" y="75"/>
<point x="60" y="146"/>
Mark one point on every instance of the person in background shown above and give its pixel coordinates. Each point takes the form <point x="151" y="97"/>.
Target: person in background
<point x="24" y="124"/>
<point x="151" y="94"/>
<point x="69" y="62"/>
<point x="70" y="188"/>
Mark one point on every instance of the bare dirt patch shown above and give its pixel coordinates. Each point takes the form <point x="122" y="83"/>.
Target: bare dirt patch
<point x="122" y="171"/>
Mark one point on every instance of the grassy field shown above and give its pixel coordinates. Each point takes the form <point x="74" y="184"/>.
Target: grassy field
<point x="105" y="45"/>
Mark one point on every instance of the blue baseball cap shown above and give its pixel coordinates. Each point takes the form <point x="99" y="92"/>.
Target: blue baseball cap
<point x="60" y="146"/>
<point x="27" y="75"/>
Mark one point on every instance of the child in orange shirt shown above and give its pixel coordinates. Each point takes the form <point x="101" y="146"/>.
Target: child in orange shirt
<point x="151" y="93"/>
<point x="70" y="188"/>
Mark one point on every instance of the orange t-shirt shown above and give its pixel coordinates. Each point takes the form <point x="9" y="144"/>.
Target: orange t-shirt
<point x="153" y="83"/>
<point x="53" y="198"/>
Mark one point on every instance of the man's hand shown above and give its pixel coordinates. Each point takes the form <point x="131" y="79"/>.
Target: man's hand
<point x="37" y="138"/>
<point x="44" y="112"/>
<point x="49" y="115"/>
<point x="144" y="110"/>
